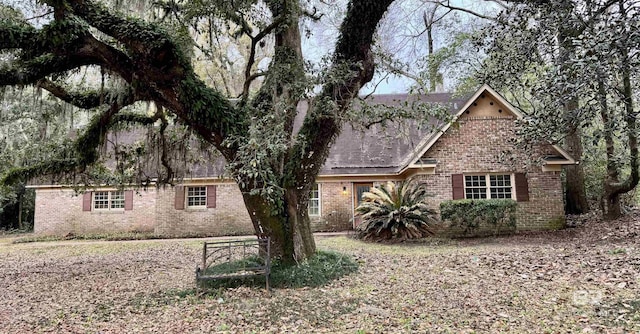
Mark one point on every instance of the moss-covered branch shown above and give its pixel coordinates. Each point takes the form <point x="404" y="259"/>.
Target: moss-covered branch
<point x="141" y="39"/>
<point x="354" y="66"/>
<point x="83" y="152"/>
<point x="133" y="33"/>
<point x="16" y="36"/>
<point x="28" y="72"/>
<point x="58" y="47"/>
<point x="49" y="167"/>
<point x="85" y="99"/>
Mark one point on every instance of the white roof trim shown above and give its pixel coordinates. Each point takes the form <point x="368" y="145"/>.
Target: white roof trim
<point x="566" y="155"/>
<point x="422" y="166"/>
<point x="427" y="143"/>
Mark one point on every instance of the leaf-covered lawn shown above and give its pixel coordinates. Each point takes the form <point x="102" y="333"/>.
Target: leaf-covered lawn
<point x="583" y="279"/>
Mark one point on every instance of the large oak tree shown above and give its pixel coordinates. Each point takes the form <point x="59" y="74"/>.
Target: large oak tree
<point x="152" y="59"/>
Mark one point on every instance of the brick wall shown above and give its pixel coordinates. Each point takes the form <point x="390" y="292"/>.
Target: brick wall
<point x="335" y="207"/>
<point x="59" y="211"/>
<point x="229" y="217"/>
<point x="478" y="145"/>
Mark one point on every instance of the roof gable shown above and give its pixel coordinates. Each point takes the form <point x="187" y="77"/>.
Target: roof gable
<point x="477" y="102"/>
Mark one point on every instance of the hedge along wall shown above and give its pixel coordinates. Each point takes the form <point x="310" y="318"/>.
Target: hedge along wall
<point x="478" y="217"/>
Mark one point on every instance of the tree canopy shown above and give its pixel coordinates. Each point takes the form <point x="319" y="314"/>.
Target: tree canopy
<point x="150" y="58"/>
<point x="569" y="66"/>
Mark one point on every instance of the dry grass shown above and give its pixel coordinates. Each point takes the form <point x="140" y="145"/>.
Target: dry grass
<point x="584" y="279"/>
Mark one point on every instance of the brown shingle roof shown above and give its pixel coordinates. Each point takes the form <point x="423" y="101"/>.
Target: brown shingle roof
<point x="380" y="150"/>
<point x="376" y="150"/>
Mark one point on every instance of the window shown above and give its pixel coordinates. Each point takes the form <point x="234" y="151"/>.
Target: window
<point x="500" y="186"/>
<point x="481" y="186"/>
<point x="314" y="200"/>
<point x="197" y="197"/>
<point x="475" y="187"/>
<point x="108" y="200"/>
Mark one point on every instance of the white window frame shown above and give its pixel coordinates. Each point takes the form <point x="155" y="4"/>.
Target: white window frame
<point x="188" y="196"/>
<point x="109" y="200"/>
<point x="318" y="199"/>
<point x="488" y="187"/>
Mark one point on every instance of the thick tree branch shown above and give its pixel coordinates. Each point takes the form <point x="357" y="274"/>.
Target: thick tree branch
<point x="25" y="73"/>
<point x="135" y="35"/>
<point x="86" y="99"/>
<point x="323" y="121"/>
<point x="84" y="151"/>
<point x="59" y="54"/>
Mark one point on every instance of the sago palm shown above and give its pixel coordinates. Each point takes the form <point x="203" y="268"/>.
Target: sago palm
<point x="396" y="211"/>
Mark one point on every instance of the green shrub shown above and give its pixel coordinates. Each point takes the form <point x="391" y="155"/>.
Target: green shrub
<point x="396" y="211"/>
<point x="318" y="270"/>
<point x="469" y="215"/>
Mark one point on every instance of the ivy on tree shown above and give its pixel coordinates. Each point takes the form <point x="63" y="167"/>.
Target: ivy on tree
<point x="153" y="60"/>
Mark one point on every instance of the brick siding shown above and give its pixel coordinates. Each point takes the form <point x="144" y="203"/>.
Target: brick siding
<point x="229" y="217"/>
<point x="480" y="142"/>
<point x="59" y="211"/>
<point x="478" y="145"/>
<point x="335" y="206"/>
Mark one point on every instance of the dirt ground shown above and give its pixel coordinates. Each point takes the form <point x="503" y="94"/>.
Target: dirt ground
<point x="584" y="279"/>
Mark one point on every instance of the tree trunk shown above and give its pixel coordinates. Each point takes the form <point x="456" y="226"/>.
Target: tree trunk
<point x="433" y="69"/>
<point x="290" y="232"/>
<point x="613" y="208"/>
<point x="614" y="188"/>
<point x="303" y="243"/>
<point x="575" y="195"/>
<point x="20" y="195"/>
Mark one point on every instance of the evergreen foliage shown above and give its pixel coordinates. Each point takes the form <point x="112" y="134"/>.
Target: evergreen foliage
<point x="396" y="211"/>
<point x="571" y="67"/>
<point x="318" y="270"/>
<point x="472" y="216"/>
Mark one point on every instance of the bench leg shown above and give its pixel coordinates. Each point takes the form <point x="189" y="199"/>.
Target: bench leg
<point x="268" y="285"/>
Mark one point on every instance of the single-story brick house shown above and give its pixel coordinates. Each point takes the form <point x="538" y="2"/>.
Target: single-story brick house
<point x="472" y="157"/>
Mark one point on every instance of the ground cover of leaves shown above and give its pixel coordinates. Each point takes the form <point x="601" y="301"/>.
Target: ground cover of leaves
<point x="583" y="279"/>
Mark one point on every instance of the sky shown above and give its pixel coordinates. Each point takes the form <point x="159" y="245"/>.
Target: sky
<point x="406" y="22"/>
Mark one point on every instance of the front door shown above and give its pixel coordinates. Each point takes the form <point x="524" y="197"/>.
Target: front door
<point x="358" y="190"/>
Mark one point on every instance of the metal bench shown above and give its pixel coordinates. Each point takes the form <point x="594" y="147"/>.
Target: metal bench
<point x="223" y="260"/>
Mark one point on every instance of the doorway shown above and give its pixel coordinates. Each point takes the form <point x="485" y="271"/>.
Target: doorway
<point x="358" y="190"/>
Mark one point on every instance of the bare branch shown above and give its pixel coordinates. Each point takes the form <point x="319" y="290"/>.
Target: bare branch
<point x="447" y="4"/>
<point x="39" y="16"/>
<point x="373" y="91"/>
<point x="252" y="55"/>
<point x="313" y="15"/>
